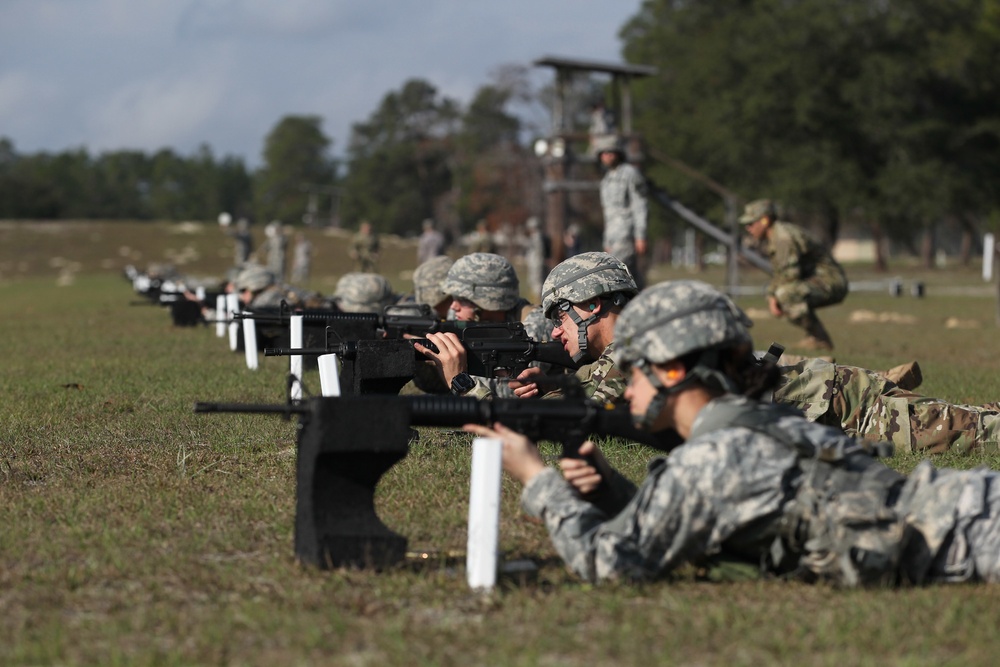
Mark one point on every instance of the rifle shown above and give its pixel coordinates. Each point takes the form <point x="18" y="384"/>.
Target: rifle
<point x="346" y="444"/>
<point x="501" y="349"/>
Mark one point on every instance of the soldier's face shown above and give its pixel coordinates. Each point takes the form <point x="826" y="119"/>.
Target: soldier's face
<point x="639" y="393"/>
<point x="465" y="310"/>
<point x="757" y="229"/>
<point x="566" y="331"/>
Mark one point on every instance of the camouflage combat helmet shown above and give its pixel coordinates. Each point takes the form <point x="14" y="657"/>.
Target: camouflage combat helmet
<point x="675" y="319"/>
<point x="363" y="293"/>
<point x="583" y="277"/>
<point x="254" y="278"/>
<point x="756" y="210"/>
<point x="485" y="279"/>
<point x="427" y="279"/>
<point x="608" y="143"/>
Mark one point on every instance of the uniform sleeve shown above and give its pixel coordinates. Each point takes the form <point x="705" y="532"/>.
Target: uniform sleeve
<point x="664" y="524"/>
<point x="482" y="389"/>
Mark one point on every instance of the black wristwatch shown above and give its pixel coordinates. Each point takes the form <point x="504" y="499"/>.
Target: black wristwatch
<point x="462" y="384"/>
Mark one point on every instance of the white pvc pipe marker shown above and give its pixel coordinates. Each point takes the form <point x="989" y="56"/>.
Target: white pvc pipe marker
<point x="484" y="514"/>
<point x="221" y="315"/>
<point x="295" y="360"/>
<point x="329" y="378"/>
<point x="233" y="307"/>
<point x="250" y="342"/>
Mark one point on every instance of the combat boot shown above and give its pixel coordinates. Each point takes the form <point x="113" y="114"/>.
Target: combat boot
<point x="905" y="376"/>
<point x="818" y="338"/>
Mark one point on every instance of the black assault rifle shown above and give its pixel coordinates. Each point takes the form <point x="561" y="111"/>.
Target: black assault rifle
<point x="499" y="349"/>
<point x="346" y="444"/>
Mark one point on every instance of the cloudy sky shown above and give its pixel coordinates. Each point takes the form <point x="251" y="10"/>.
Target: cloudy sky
<point x="146" y="74"/>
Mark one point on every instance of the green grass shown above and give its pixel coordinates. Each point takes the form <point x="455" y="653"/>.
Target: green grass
<point x="137" y="532"/>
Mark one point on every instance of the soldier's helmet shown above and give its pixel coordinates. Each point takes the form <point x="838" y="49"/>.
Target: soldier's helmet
<point x="672" y="319"/>
<point x="363" y="293"/>
<point x="756" y="210"/>
<point x="585" y="276"/>
<point x="487" y="280"/>
<point x="427" y="279"/>
<point x="254" y="278"/>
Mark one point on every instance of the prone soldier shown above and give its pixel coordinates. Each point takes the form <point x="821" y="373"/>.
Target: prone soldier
<point x="755" y="485"/>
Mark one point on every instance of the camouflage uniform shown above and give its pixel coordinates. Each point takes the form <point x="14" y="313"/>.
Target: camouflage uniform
<point x="363" y="293"/>
<point x="757" y="484"/>
<point x="601" y="380"/>
<point x="364" y="250"/>
<point x="805" y="275"/>
<point x="866" y="405"/>
<point x="623" y="199"/>
<point x="243" y="247"/>
<point x="534" y="257"/>
<point x="277" y="249"/>
<point x="490" y="282"/>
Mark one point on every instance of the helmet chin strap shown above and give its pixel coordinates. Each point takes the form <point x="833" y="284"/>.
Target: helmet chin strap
<point x="581" y="328"/>
<point x="704" y="371"/>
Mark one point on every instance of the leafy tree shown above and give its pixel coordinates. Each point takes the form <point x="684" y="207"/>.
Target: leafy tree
<point x="295" y="155"/>
<point x="398" y="160"/>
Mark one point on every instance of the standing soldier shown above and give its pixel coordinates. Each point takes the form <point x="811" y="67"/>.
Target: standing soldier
<point x="431" y="243"/>
<point x="277" y="249"/>
<point x="243" y="242"/>
<point x="301" y="258"/>
<point x="805" y="275"/>
<point x="534" y="256"/>
<point x="364" y="248"/>
<point x="623" y="199"/>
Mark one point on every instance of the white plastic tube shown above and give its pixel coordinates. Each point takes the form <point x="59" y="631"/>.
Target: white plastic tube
<point x="250" y="342"/>
<point x="221" y="315"/>
<point x="329" y="375"/>
<point x="233" y="307"/>
<point x="484" y="514"/>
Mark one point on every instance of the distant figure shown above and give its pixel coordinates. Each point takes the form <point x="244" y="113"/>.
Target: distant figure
<point x="431" y="243"/>
<point x="534" y="257"/>
<point x="623" y="198"/>
<point x="301" y="258"/>
<point x="806" y="276"/>
<point x="602" y="124"/>
<point x="243" y="242"/>
<point x="364" y="248"/>
<point x="481" y="240"/>
<point x="276" y="244"/>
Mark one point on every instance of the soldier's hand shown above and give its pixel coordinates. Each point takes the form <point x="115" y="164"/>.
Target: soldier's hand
<point x="583" y="476"/>
<point x="450" y="358"/>
<point x="640" y="246"/>
<point x="523" y="386"/>
<point x="774" y="307"/>
<point x="520" y="455"/>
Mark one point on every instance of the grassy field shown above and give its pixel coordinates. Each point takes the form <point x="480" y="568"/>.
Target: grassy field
<point x="137" y="532"/>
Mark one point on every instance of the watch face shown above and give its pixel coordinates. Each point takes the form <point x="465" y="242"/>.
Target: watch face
<point x="462" y="383"/>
